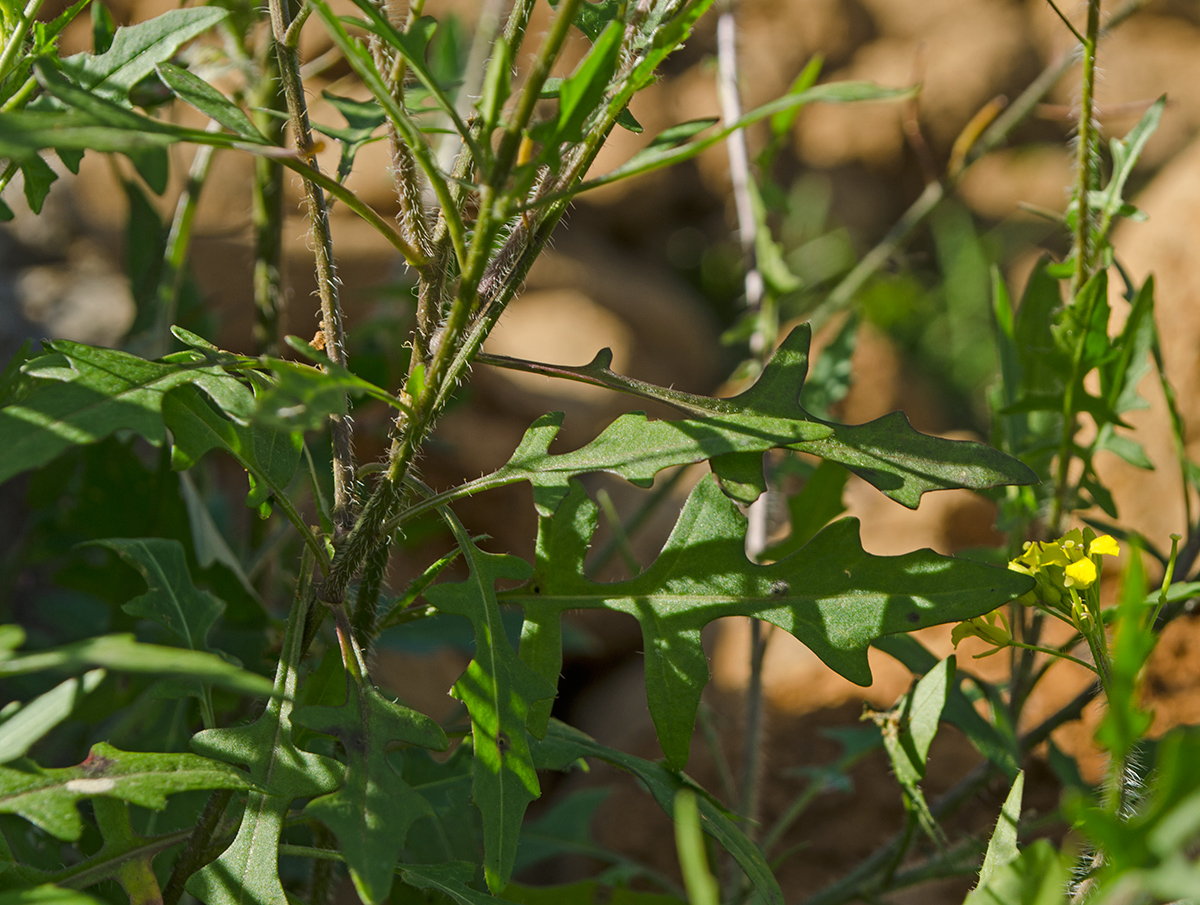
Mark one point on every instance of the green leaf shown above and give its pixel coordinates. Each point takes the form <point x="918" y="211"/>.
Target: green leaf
<point x="582" y="92"/>
<point x="585" y="892"/>
<point x="1120" y="377"/>
<point x="1125" y="720"/>
<point x="137" y="49"/>
<point x="46" y="895"/>
<point x="831" y="595"/>
<point x="208" y="100"/>
<point x="1037" y="877"/>
<point x="121" y="653"/>
<point x="1125" y="154"/>
<point x="888" y="453"/>
<point x="88" y="394"/>
<point x="303" y="396"/>
<point x="269" y="455"/>
<point x="656" y="157"/>
<point x="171" y="599"/>
<point x="498" y="689"/>
<point x="38" y="177"/>
<point x="247" y="873"/>
<point x="563" y="745"/>
<point x="451" y="880"/>
<point x="908" y="731"/>
<point x="919" y="715"/>
<point x="817" y="504"/>
<point x="689" y="843"/>
<point x="363" y="118"/>
<point x="371" y="813"/>
<point x="26" y="726"/>
<point x="1002" y="847"/>
<point x="959" y="710"/>
<point x="47" y="797"/>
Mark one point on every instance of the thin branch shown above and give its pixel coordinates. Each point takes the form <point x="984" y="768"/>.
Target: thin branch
<point x="318" y="214"/>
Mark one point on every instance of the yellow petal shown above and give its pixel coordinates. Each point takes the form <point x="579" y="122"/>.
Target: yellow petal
<point x="1104" y="545"/>
<point x="1080" y="574"/>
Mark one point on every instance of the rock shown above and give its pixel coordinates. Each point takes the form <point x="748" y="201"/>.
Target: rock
<point x="1164" y="246"/>
<point x="962" y="63"/>
<point x="997" y="184"/>
<point x="1143" y="59"/>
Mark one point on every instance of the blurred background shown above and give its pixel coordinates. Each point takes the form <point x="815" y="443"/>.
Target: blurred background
<point x="652" y="269"/>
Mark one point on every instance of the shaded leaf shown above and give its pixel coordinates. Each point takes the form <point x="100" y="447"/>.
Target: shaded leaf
<point x="497" y="689"/>
<point x="46" y="895"/>
<point x="269" y="455"/>
<point x="248" y="870"/>
<point x="563" y="745"/>
<point x="372" y="811"/>
<point x="89" y="393"/>
<point x="47" y="797"/>
<point x="585" y="892"/>
<point x="831" y="595"/>
<point x="171" y="599"/>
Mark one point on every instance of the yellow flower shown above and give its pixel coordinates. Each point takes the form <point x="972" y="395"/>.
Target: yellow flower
<point x="1069" y="562"/>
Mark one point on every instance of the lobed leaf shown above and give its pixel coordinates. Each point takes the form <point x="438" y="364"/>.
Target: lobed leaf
<point x="87" y="393"/>
<point x="832" y="595"/>
<point x="497" y="689"/>
<point x="887" y="452"/>
<point x="248" y="870"/>
<point x="269" y="455"/>
<point x="137" y="49"/>
<point x="47" y="797"/>
<point x="372" y="811"/>
<point x="171" y="599"/>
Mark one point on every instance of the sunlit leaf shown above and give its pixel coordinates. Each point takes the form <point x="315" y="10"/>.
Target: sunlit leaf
<point x="831" y="595"/>
<point x="88" y="394"/>
<point x="137" y="49"/>
<point x="47" y="797"/>
<point x="497" y="689"/>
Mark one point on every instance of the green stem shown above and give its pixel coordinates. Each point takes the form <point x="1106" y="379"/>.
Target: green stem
<point x="20" y="32"/>
<point x="1084" y="156"/>
<point x="266" y="208"/>
<point x="170" y="280"/>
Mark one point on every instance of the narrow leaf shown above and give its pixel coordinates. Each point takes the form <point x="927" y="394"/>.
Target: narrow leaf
<point x="121" y="653"/>
<point x="24" y="728"/>
<point x="1002" y="847"/>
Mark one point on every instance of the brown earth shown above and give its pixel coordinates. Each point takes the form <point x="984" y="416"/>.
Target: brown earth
<point x="608" y="274"/>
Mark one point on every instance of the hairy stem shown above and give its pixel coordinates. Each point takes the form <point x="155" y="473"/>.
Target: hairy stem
<point x="332" y="328"/>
